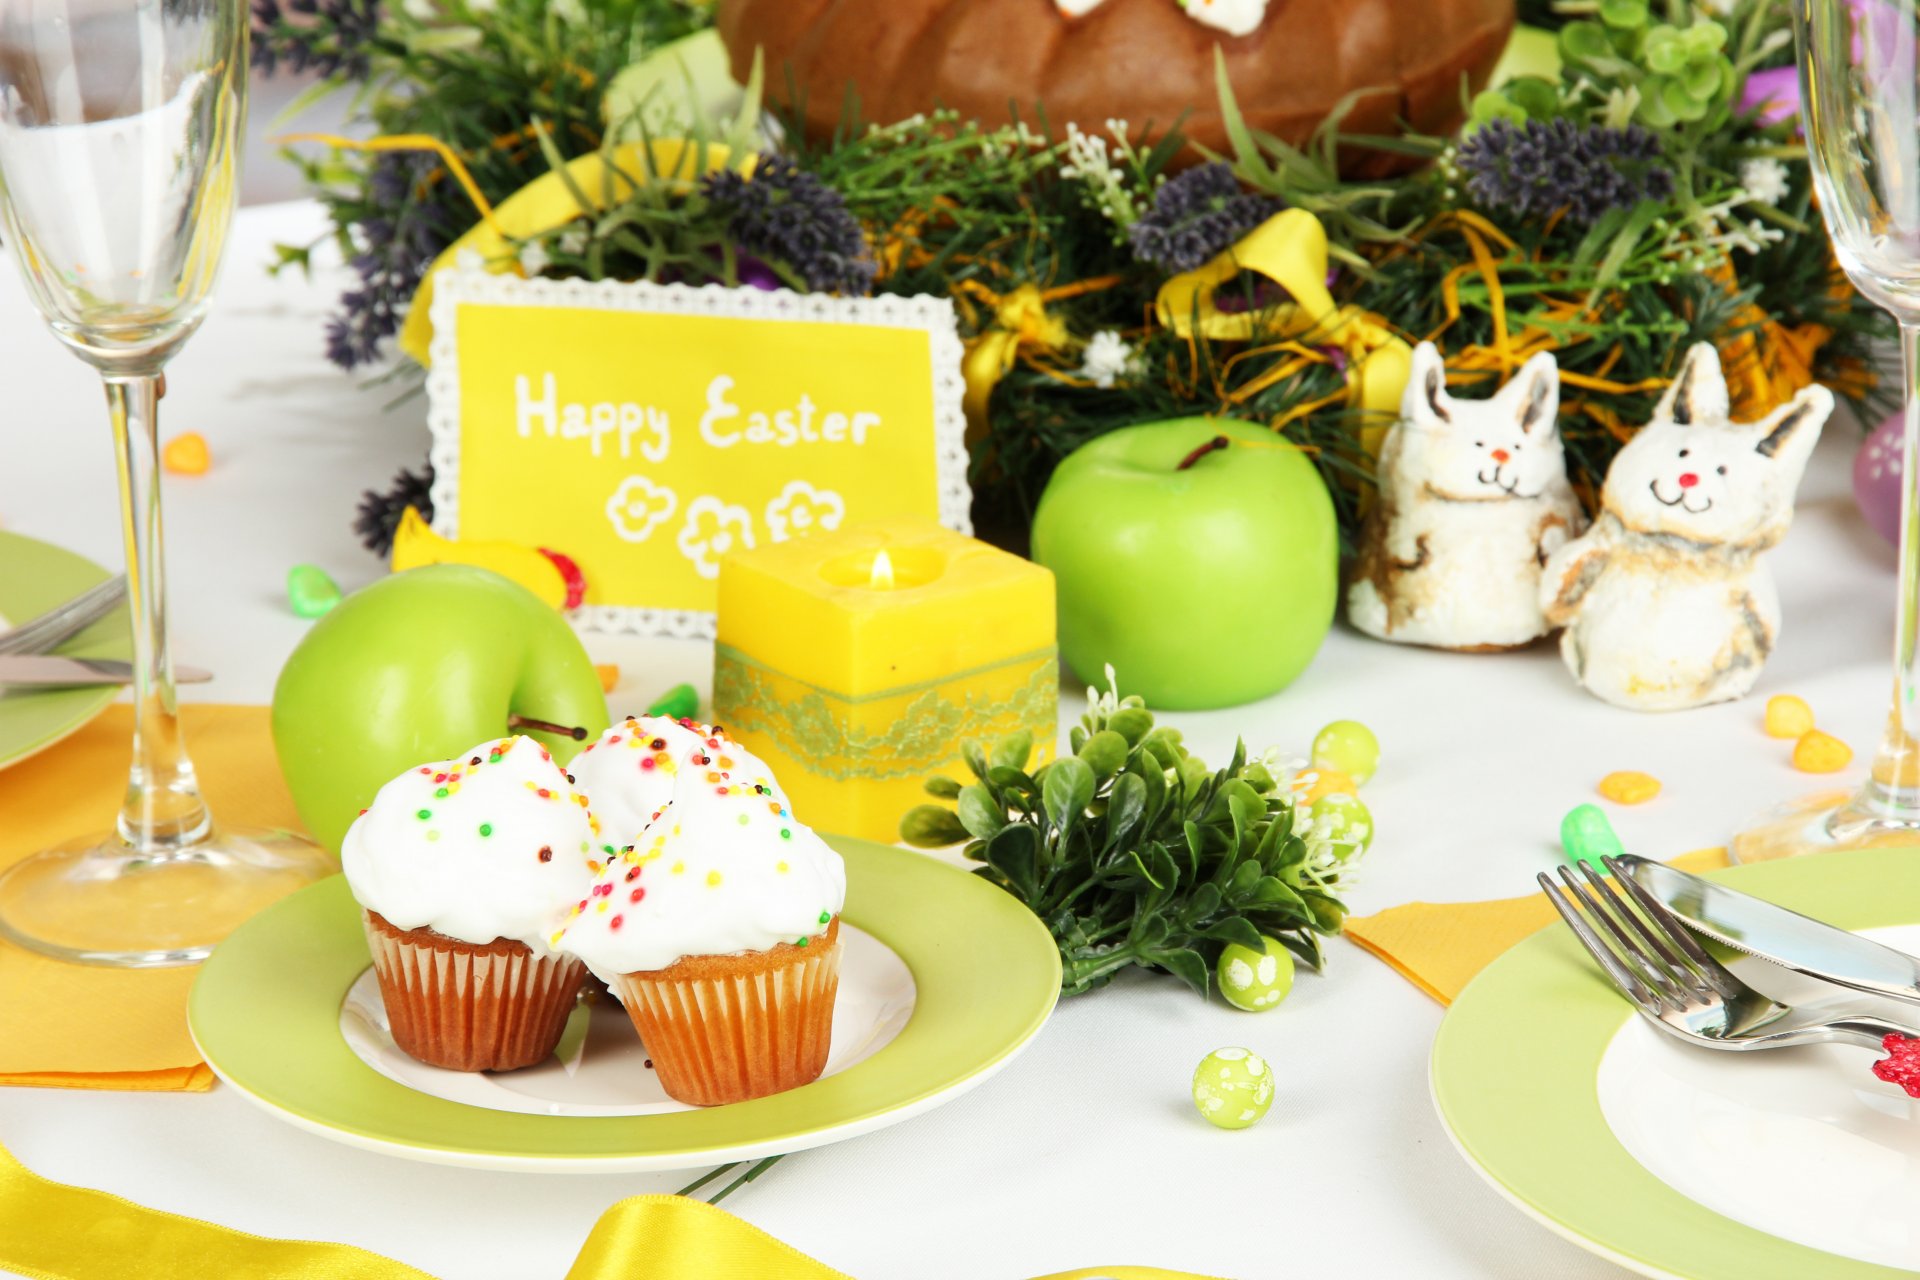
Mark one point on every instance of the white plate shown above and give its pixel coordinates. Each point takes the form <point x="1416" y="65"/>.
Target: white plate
<point x="1804" y="1144"/>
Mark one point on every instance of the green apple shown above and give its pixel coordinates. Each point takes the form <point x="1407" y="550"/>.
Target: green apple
<point x="1207" y="584"/>
<point x="419" y="666"/>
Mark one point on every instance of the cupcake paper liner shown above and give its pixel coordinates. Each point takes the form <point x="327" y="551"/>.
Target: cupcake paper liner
<point x="470" y="1006"/>
<point x="728" y="1028"/>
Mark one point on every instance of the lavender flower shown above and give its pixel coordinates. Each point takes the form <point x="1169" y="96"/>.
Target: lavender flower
<point x="786" y="215"/>
<point x="330" y="37"/>
<point x="1195" y="216"/>
<point x="1542" y="166"/>
<point x="380" y="510"/>
<point x="418" y="218"/>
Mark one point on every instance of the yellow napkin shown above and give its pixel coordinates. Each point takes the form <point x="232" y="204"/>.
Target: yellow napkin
<point x="86" y="1027"/>
<point x="1440" y="946"/>
<point x="56" y="1232"/>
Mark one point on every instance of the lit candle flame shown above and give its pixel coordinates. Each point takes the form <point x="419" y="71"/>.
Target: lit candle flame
<point x="881" y="579"/>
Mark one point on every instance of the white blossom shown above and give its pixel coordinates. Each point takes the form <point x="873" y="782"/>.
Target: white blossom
<point x="421" y="10"/>
<point x="574" y="241"/>
<point x="572" y="12"/>
<point x="1764" y="179"/>
<point x="1088" y="162"/>
<point x="1106" y="357"/>
<point x="533" y="258"/>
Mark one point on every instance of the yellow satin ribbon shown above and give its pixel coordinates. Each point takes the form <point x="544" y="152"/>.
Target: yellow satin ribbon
<point x="1021" y="325"/>
<point x="1290" y="249"/>
<point x="51" y="1231"/>
<point x="547" y="202"/>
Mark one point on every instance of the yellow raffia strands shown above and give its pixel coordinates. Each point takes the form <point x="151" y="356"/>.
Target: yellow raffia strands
<point x="548" y="201"/>
<point x="53" y="1230"/>
<point x="1290" y="249"/>
<point x="407" y="142"/>
<point x="1508" y="350"/>
<point x="1766" y="362"/>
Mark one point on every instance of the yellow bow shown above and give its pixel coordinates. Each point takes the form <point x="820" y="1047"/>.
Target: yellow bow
<point x="552" y="200"/>
<point x="1020" y="321"/>
<point x="1290" y="249"/>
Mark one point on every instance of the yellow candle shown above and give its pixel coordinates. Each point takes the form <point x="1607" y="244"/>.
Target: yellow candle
<point x="856" y="662"/>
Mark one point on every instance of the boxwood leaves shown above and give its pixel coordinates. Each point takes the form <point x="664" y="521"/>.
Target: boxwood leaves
<point x="1134" y="853"/>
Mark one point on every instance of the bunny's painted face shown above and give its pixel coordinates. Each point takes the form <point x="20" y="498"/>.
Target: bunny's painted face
<point x="1490" y="456"/>
<point x="1487" y="450"/>
<point x="1694" y="474"/>
<point x="1703" y="482"/>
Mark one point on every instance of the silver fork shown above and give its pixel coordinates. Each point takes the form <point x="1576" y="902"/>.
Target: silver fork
<point x="64" y="621"/>
<point x="1676" y="985"/>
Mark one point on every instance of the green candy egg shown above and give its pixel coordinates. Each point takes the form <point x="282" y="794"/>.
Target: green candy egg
<point x="1255" y="980"/>
<point x="1350" y="747"/>
<point x="1346" y="821"/>
<point x="1232" y="1088"/>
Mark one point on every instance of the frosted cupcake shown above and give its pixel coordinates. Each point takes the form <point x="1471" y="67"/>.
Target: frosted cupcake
<point x="719" y="931"/>
<point x="463" y="869"/>
<point x="629" y="773"/>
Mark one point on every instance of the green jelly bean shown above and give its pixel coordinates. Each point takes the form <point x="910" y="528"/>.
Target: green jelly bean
<point x="310" y="592"/>
<point x="681" y="702"/>
<point x="1586" y="836"/>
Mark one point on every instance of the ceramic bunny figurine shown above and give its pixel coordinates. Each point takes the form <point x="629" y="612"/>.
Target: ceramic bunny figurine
<point x="1473" y="498"/>
<point x="1666" y="601"/>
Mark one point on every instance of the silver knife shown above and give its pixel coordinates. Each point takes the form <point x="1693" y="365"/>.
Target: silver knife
<point x="1775" y="934"/>
<point x="49" y="669"/>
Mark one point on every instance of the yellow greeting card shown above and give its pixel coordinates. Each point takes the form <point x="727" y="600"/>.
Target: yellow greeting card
<point x="646" y="430"/>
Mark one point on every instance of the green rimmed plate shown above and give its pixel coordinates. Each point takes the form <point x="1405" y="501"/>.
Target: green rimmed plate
<point x="266" y="1013"/>
<point x="1621" y="1139"/>
<point x="34" y="577"/>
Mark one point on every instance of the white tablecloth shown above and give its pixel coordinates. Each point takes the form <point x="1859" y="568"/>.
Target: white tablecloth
<point x="1086" y="1151"/>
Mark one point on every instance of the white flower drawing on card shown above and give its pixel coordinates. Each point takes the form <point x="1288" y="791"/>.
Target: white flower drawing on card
<point x="801" y="508"/>
<point x="638" y="506"/>
<point x="712" y="529"/>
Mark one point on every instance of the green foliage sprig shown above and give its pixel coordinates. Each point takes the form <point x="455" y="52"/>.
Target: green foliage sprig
<point x="1133" y="852"/>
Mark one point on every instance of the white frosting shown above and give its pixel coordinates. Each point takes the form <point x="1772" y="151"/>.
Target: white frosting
<point x="494" y="857"/>
<point x="723" y="870"/>
<point x="628" y="780"/>
<point x="1235" y="17"/>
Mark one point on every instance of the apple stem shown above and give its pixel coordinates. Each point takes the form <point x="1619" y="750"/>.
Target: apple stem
<point x="1218" y="442"/>
<point x="517" y="721"/>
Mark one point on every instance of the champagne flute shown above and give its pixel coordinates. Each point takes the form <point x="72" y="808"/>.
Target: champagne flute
<point x="120" y="122"/>
<point x="1860" y="109"/>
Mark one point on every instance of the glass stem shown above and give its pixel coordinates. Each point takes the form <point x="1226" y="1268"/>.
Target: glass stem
<point x="163" y="811"/>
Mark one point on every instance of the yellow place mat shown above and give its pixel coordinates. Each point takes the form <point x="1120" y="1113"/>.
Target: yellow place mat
<point x="85" y="1027"/>
<point x="1440" y="946"/>
<point x="59" y="1232"/>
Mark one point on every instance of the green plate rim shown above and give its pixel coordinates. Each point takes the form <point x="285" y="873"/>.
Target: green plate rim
<point x="265" y="1012"/>
<point x="34" y="577"/>
<point x="1513" y="1076"/>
